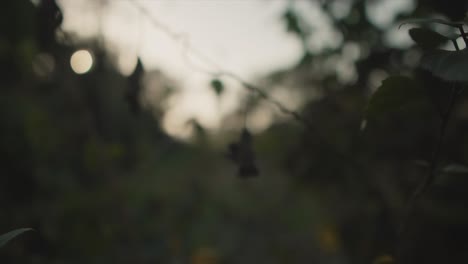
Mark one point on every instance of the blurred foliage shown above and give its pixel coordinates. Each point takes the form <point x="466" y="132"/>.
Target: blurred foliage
<point x="86" y="164"/>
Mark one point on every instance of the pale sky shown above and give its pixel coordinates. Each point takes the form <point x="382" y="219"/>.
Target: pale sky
<point x="246" y="37"/>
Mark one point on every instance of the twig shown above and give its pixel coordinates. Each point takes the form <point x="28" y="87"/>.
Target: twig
<point x="463" y="34"/>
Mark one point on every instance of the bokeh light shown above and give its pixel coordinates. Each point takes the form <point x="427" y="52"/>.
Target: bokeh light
<point x="81" y="61"/>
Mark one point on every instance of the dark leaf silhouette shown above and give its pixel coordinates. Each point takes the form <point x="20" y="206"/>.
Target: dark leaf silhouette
<point x="396" y="93"/>
<point x="427" y="38"/>
<point x="242" y="154"/>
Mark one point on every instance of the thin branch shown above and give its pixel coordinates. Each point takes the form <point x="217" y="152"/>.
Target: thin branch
<point x="455" y="44"/>
<point x="463" y="34"/>
<point x="265" y="96"/>
<point x="436" y="154"/>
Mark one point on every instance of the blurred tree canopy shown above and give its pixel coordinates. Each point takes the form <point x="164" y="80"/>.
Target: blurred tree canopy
<point x="86" y="164"/>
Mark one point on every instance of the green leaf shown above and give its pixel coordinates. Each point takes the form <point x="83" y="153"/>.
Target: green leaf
<point x="5" y="238"/>
<point x="448" y="65"/>
<point x="217" y="86"/>
<point x="427" y="38"/>
<point x="427" y="21"/>
<point x="396" y="93"/>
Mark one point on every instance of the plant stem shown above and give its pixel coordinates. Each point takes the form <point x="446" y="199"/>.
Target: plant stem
<point x="429" y="179"/>
<point x="436" y="155"/>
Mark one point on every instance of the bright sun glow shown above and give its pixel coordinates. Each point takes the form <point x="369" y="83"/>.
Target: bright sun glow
<point x="81" y="61"/>
<point x="247" y="38"/>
